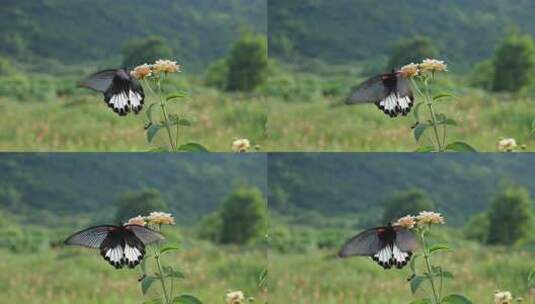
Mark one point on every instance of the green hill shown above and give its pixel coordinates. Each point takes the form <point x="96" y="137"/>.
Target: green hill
<point x="465" y="31"/>
<point x="334" y="184"/>
<point x="73" y="184"/>
<point x="78" y="31"/>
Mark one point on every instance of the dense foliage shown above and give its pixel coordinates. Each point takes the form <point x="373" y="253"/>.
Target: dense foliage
<point x="145" y="50"/>
<point x="243" y="216"/>
<point x="75" y="31"/>
<point x="465" y="31"/>
<point x="514" y="63"/>
<point x="510" y="217"/>
<point x="247" y="63"/>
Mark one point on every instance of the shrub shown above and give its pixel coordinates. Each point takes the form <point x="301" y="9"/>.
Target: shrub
<point x="404" y="203"/>
<point x="414" y="49"/>
<point x="514" y="63"/>
<point x="247" y="63"/>
<point x="243" y="216"/>
<point x="145" y="50"/>
<point x="141" y="202"/>
<point x="510" y="217"/>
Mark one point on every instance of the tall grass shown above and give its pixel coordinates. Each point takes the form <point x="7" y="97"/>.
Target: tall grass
<point x="81" y="276"/>
<point x="319" y="277"/>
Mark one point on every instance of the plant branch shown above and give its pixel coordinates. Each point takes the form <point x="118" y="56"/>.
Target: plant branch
<point x="165" y="116"/>
<point x="436" y="297"/>
<point x="429" y="103"/>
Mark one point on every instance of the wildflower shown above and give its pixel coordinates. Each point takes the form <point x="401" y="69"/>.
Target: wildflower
<point x="159" y="218"/>
<point x="167" y="66"/>
<point x="433" y="65"/>
<point x="410" y="70"/>
<point x="241" y="145"/>
<point x="138" y="220"/>
<point x="142" y="71"/>
<point x="235" y="297"/>
<point x="507" y="144"/>
<point x="406" y="222"/>
<point x="503" y="297"/>
<point x="426" y="217"/>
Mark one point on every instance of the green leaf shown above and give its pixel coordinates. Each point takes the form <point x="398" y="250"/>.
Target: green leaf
<point x="438" y="247"/>
<point x="168" y="271"/>
<point x="447" y="274"/>
<point x="416" y="111"/>
<point x="262" y="279"/>
<point x="169" y="248"/>
<point x="419" y="131"/>
<point x="425" y="149"/>
<point x="460" y="146"/>
<point x="153" y="301"/>
<point x="151" y="132"/>
<point x="531" y="278"/>
<point x="175" y="120"/>
<point x="176" y="95"/>
<point x="192" y="147"/>
<point x="146" y="283"/>
<point x="448" y="121"/>
<point x="421" y="301"/>
<point x="441" y="96"/>
<point x="148" y="112"/>
<point x="186" y="299"/>
<point x="416" y="282"/>
<point x="456" y="299"/>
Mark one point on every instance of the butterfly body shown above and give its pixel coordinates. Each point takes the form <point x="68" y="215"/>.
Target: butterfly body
<point x="390" y="92"/>
<point x="119" y="245"/>
<point x="388" y="246"/>
<point x="122" y="92"/>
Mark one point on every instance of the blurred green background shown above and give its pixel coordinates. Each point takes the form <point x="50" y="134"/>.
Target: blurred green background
<point x="46" y="197"/>
<point x="46" y="47"/>
<point x="318" y="201"/>
<point x="321" y="49"/>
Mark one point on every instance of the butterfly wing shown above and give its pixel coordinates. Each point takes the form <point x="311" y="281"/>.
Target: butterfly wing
<point x="99" y="81"/>
<point x="406" y="240"/>
<point x="91" y="237"/>
<point x="145" y="235"/>
<point x="366" y="243"/>
<point x="372" y="90"/>
<point x="405" y="97"/>
<point x="124" y="94"/>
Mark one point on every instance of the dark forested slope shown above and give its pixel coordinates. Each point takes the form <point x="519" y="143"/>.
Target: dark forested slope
<point x="465" y="31"/>
<point x="460" y="185"/>
<point x="79" y="31"/>
<point x="69" y="184"/>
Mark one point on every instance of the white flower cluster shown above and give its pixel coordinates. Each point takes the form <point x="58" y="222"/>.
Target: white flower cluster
<point x="154" y="218"/>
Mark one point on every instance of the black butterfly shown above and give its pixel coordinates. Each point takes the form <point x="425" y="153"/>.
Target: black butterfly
<point x="389" y="246"/>
<point x="119" y="245"/>
<point x="122" y="92"/>
<point x="390" y="92"/>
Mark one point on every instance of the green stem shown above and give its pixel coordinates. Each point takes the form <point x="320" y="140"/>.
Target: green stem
<point x="433" y="116"/>
<point x="436" y="297"/>
<point x="165" y="117"/>
<point x="162" y="279"/>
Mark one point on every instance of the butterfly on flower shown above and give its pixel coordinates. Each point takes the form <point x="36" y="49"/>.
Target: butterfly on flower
<point x="390" y="92"/>
<point x="119" y="245"/>
<point x="122" y="92"/>
<point x="389" y="246"/>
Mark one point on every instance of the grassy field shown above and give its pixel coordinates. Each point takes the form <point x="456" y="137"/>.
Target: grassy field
<point x="313" y="125"/>
<point x="84" y="123"/>
<point x="72" y="275"/>
<point x="319" y="277"/>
